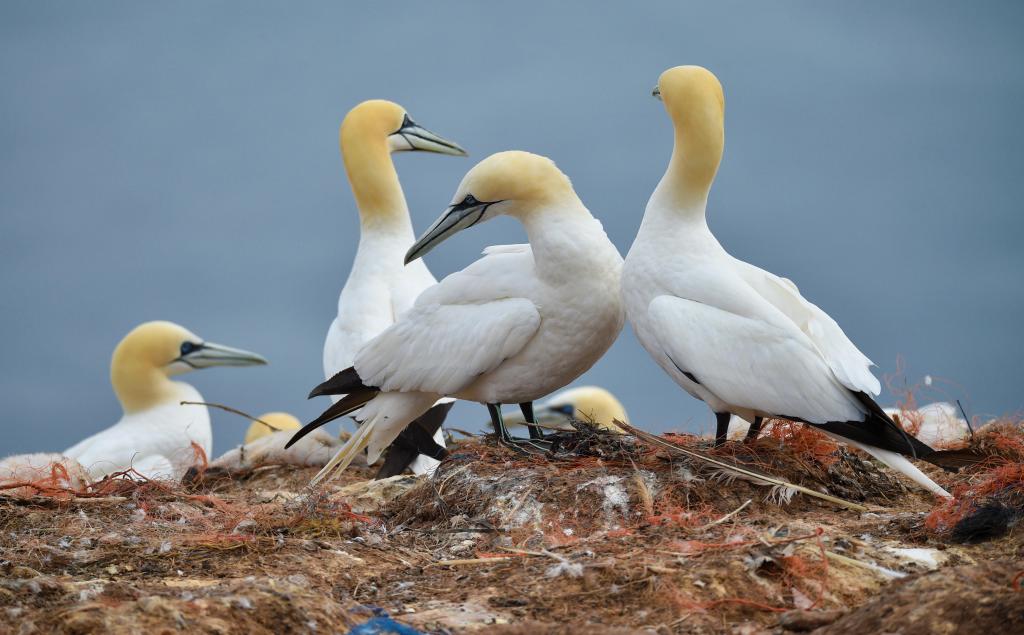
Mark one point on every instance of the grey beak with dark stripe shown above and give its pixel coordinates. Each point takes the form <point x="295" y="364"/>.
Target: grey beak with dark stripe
<point x="419" y="138"/>
<point x="457" y="217"/>
<point x="207" y="354"/>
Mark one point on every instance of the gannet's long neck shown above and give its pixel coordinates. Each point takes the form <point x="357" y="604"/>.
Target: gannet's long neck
<point x="374" y="181"/>
<point x="566" y="239"/>
<point x="139" y="385"/>
<point x="696" y="155"/>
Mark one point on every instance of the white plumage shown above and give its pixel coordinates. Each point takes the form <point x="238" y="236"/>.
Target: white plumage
<point x="379" y="287"/>
<point x="156" y="442"/>
<point x="157" y="436"/>
<point x="517" y="324"/>
<point x="735" y="336"/>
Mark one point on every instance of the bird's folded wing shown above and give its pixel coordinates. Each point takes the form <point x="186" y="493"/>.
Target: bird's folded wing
<point x="441" y="348"/>
<point x="851" y="367"/>
<point x="749" y="363"/>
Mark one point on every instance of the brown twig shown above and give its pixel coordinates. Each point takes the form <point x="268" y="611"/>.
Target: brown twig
<point x="232" y="411"/>
<point x="655" y="441"/>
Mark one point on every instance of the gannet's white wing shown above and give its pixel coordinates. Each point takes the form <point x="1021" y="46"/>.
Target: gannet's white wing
<point x="750" y="363"/>
<point x="851" y="367"/>
<point x="462" y="327"/>
<point x="441" y="348"/>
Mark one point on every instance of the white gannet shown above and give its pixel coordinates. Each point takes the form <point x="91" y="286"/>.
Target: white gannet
<point x="592" y="404"/>
<point x="264" y="445"/>
<point x="379" y="287"/>
<point x="739" y="338"/>
<point x="938" y="424"/>
<point x="156" y="433"/>
<point x="514" y="326"/>
<point x="279" y="421"/>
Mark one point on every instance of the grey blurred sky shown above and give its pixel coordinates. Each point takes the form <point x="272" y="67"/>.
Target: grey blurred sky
<point x="179" y="161"/>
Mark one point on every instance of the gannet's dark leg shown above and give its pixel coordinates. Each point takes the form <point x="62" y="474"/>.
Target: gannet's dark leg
<point x="754" y="429"/>
<point x="494" y="409"/>
<point x="416" y="439"/>
<point x="528" y="446"/>
<point x="535" y="431"/>
<point x="722" y="425"/>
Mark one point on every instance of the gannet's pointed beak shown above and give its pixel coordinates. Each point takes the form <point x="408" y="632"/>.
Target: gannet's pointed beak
<point x="656" y="93"/>
<point x="412" y="136"/>
<point x="209" y="354"/>
<point x="457" y="217"/>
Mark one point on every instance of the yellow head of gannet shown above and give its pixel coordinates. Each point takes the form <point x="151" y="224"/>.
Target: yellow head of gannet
<point x="151" y="353"/>
<point x="518" y="324"/>
<point x="592" y="404"/>
<point x="370" y="132"/>
<point x="785" y="356"/>
<point x="278" y="421"/>
<point x="515" y="183"/>
<point x="589" y="403"/>
<point x="695" y="102"/>
<point x="157" y="435"/>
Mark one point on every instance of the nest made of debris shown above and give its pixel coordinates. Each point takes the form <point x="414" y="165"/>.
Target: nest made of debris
<point x="988" y="498"/>
<point x="603" y="533"/>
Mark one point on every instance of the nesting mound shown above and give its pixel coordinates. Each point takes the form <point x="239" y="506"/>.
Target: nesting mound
<point x="604" y="536"/>
<point x="978" y="598"/>
<point x="989" y="497"/>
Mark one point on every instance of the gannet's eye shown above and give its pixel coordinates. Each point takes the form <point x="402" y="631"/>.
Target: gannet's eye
<point x="469" y="201"/>
<point x="566" y="409"/>
<point x="188" y="347"/>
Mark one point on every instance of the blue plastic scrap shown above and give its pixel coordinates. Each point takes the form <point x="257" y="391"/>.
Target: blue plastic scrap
<point x="383" y="625"/>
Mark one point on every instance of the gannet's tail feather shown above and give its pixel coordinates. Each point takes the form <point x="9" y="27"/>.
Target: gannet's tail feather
<point x="346" y="454"/>
<point x="383" y="417"/>
<point x="898" y="463"/>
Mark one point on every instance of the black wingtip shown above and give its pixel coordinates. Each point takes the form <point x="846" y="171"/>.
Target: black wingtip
<point x="877" y="429"/>
<point x="912" y="446"/>
<point x="342" y="383"/>
<point x="318" y="391"/>
<point x="303" y="431"/>
<point x="953" y="460"/>
<point x="348" y="404"/>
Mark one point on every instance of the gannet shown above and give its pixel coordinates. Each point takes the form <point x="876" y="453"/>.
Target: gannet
<point x="313" y="450"/>
<point x="156" y="433"/>
<point x="739" y="338"/>
<point x="379" y="288"/>
<point x="264" y="445"/>
<point x="592" y="404"/>
<point x="514" y="326"/>
<point x="938" y="424"/>
<point x="279" y="421"/>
